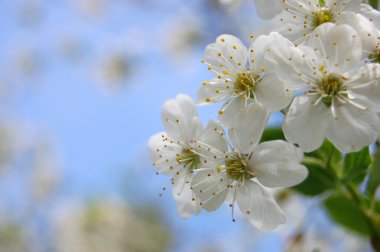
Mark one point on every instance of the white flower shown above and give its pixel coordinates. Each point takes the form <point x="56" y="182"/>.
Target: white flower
<point x="268" y="8"/>
<point x="238" y="172"/>
<point x="341" y="97"/>
<point x="300" y="18"/>
<point x="172" y="152"/>
<point x="242" y="77"/>
<point x="372" y="14"/>
<point x="369" y="34"/>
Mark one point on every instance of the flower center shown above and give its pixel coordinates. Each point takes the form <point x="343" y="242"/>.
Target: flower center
<point x="237" y="168"/>
<point x="322" y="16"/>
<point x="245" y="83"/>
<point x="375" y="56"/>
<point x="329" y="86"/>
<point x="188" y="159"/>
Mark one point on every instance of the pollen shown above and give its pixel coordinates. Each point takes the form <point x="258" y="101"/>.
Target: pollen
<point x="329" y="86"/>
<point x="237" y="167"/>
<point x="375" y="56"/>
<point x="188" y="159"/>
<point x="322" y="16"/>
<point x="245" y="84"/>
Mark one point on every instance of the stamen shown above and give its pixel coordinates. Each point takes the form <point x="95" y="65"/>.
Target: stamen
<point x="222" y="188"/>
<point x="374" y="57"/>
<point x="329" y="87"/>
<point x="163" y="189"/>
<point x="333" y="110"/>
<point x="245" y="84"/>
<point x="359" y="106"/>
<point x="188" y="178"/>
<point x="322" y="16"/>
<point x="237" y="168"/>
<point x="232" y="205"/>
<point x="188" y="158"/>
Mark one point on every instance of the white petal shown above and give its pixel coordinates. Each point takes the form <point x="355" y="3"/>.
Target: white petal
<point x="365" y="86"/>
<point x="213" y="91"/>
<point x="163" y="153"/>
<point x="276" y="164"/>
<point x="187" y="203"/>
<point x="267" y="9"/>
<point x="211" y="188"/>
<point x="293" y="17"/>
<point x="257" y="52"/>
<point x="259" y="206"/>
<point x="246" y="130"/>
<point x="181" y="119"/>
<point x="272" y="93"/>
<point x="343" y="5"/>
<point x="292" y="65"/>
<point x="339" y="45"/>
<point x="230" y="110"/>
<point x="305" y="123"/>
<point x="214" y="137"/>
<point x="228" y="53"/>
<point x="370" y="13"/>
<point x="353" y="129"/>
<point x="365" y="28"/>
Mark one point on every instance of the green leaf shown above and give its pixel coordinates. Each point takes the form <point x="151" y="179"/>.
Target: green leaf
<point x="328" y="153"/>
<point x="373" y="3"/>
<point x="319" y="179"/>
<point x="323" y="165"/>
<point x="272" y="134"/>
<point x="322" y="3"/>
<point x="374" y="176"/>
<point x="356" y="165"/>
<point x="344" y="212"/>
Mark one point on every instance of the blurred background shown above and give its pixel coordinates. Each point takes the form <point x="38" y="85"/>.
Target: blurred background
<point x="81" y="87"/>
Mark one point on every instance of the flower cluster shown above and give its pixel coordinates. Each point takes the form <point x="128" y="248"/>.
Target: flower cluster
<point x="321" y="69"/>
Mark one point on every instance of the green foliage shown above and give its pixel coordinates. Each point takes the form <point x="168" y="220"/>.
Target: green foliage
<point x="322" y="3"/>
<point x="330" y="170"/>
<point x="373" y="3"/>
<point x="374" y="176"/>
<point x="318" y="181"/>
<point x="323" y="165"/>
<point x="272" y="134"/>
<point x="329" y="155"/>
<point x="340" y="175"/>
<point x="355" y="166"/>
<point x="346" y="213"/>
